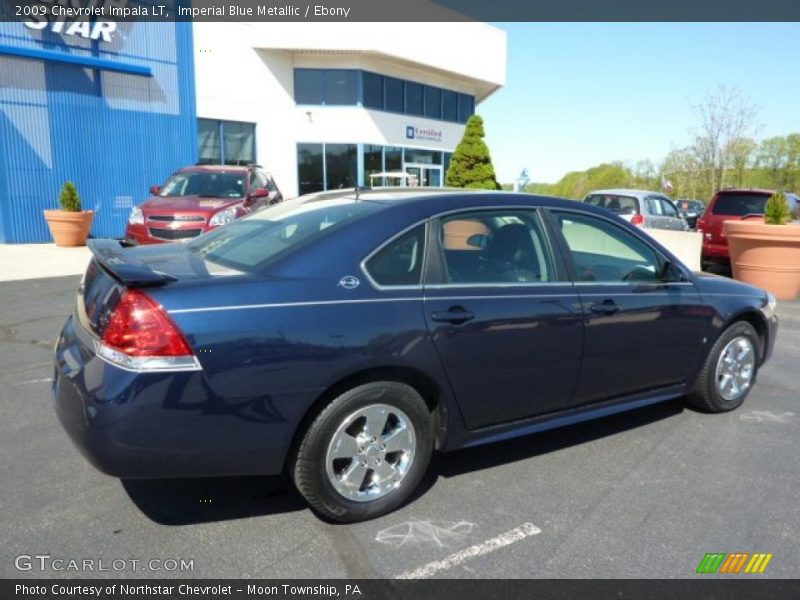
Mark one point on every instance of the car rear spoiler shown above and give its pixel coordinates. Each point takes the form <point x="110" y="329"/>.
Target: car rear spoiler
<point x="111" y="255"/>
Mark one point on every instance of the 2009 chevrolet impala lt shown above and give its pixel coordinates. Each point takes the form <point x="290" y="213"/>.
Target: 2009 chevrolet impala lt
<point x="344" y="338"/>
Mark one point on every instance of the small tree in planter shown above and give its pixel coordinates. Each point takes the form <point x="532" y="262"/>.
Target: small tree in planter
<point x="776" y="210"/>
<point x="767" y="254"/>
<point x="69" y="225"/>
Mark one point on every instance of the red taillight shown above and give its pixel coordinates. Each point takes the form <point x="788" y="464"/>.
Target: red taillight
<point x="139" y="327"/>
<point x="701" y="224"/>
<point x="637" y="220"/>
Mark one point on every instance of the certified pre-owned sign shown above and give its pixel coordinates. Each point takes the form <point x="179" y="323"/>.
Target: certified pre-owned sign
<point x="423" y="134"/>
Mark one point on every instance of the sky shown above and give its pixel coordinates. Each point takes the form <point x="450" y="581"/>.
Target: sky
<point x="580" y="94"/>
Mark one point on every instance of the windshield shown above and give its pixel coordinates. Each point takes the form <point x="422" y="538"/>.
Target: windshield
<point x="621" y="205"/>
<point x="204" y="183"/>
<point x="255" y="241"/>
<point x="740" y="205"/>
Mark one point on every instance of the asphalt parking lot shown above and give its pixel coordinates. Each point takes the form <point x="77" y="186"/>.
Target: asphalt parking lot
<point x="643" y="494"/>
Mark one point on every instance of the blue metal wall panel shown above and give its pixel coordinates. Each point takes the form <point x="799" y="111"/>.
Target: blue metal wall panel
<point x="112" y="133"/>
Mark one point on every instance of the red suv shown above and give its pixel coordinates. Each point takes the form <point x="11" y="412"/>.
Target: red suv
<point x="731" y="205"/>
<point x="200" y="198"/>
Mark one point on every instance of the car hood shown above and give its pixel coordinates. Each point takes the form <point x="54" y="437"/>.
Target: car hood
<point x="188" y="203"/>
<point x="709" y="283"/>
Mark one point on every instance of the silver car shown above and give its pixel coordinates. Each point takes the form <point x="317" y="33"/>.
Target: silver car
<point x="640" y="207"/>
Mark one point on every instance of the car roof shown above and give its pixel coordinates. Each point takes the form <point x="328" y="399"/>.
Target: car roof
<point x="625" y="192"/>
<point x="435" y="200"/>
<point x="212" y="168"/>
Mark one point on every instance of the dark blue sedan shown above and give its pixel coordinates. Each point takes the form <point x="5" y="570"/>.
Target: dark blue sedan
<point x="343" y="338"/>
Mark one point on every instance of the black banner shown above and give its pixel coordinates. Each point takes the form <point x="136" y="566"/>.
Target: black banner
<point x="400" y="10"/>
<point x="734" y="588"/>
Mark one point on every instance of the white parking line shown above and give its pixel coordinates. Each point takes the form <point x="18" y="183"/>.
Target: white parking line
<point x="504" y="539"/>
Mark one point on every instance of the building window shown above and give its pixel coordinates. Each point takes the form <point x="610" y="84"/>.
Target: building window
<point x="351" y="87"/>
<point x="208" y="134"/>
<point x="310" y="174"/>
<point x="341" y="166"/>
<point x="372" y="84"/>
<point x="239" y="143"/>
<point x="326" y="86"/>
<point x="394" y="159"/>
<point x="413" y="98"/>
<point x="449" y="105"/>
<point x="446" y="156"/>
<point x="426" y="157"/>
<point x="308" y="86"/>
<point x="466" y="107"/>
<point x="340" y="87"/>
<point x="373" y="162"/>
<point x="226" y="142"/>
<point x="433" y="102"/>
<point x="394" y="95"/>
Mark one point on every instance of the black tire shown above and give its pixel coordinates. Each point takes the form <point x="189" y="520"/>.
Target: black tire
<point x="308" y="469"/>
<point x="705" y="396"/>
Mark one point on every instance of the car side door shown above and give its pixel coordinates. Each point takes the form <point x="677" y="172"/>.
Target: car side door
<point x="645" y="320"/>
<point x="672" y="217"/>
<point x="502" y="314"/>
<point x="655" y="216"/>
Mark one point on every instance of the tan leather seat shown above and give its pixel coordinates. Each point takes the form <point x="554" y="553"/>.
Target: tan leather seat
<point x="456" y="234"/>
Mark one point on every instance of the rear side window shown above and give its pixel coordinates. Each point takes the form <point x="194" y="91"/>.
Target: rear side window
<point x="400" y="261"/>
<point x="495" y="247"/>
<point x="739" y="205"/>
<point x="621" y="205"/>
<point x="258" y="240"/>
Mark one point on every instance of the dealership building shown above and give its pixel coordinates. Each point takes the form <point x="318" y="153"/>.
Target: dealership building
<point x="118" y="107"/>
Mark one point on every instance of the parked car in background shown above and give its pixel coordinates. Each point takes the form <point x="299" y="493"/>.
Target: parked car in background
<point x="639" y="207"/>
<point x="197" y="199"/>
<point x="343" y="337"/>
<point x="730" y="205"/>
<point x="690" y="210"/>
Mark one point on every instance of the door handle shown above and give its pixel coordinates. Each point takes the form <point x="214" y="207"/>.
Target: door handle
<point x="455" y="315"/>
<point x="606" y="307"/>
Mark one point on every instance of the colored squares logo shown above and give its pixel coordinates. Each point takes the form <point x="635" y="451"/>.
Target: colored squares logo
<point x="734" y="563"/>
<point x="410" y="132"/>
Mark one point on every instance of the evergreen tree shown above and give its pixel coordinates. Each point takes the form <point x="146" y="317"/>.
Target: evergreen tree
<point x="471" y="165"/>
<point x="69" y="199"/>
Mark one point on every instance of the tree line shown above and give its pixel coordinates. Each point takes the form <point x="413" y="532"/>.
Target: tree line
<point x="725" y="152"/>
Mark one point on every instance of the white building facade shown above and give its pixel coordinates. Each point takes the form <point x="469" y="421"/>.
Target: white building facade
<point x="323" y="106"/>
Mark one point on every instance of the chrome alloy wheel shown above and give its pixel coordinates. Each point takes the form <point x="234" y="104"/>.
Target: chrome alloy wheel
<point x="735" y="368"/>
<point x="371" y="452"/>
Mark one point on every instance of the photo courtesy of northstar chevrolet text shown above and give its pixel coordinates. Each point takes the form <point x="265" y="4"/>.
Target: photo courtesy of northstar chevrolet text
<point x="422" y="299"/>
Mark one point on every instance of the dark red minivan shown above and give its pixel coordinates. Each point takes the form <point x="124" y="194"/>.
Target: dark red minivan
<point x="197" y="199"/>
<point x="731" y="205"/>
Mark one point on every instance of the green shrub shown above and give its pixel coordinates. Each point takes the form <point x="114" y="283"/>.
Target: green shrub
<point x="69" y="199"/>
<point x="776" y="211"/>
<point x="471" y="164"/>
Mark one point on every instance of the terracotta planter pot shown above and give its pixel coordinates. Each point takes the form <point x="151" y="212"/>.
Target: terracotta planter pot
<point x="69" y="228"/>
<point x="767" y="256"/>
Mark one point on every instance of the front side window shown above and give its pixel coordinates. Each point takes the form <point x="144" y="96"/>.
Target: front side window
<point x="399" y="263"/>
<point x="668" y="208"/>
<point x="603" y="252"/>
<point x="654" y="206"/>
<point x="495" y="247"/>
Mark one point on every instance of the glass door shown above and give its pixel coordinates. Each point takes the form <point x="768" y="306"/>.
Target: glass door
<point x="424" y="175"/>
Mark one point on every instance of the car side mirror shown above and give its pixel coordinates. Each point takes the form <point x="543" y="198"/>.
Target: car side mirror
<point x="672" y="273"/>
<point x="154" y="189"/>
<point x="256" y="194"/>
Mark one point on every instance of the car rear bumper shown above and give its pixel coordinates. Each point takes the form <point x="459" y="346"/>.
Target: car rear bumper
<point x="715" y="251"/>
<point x="161" y="425"/>
<point x="772" y="334"/>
